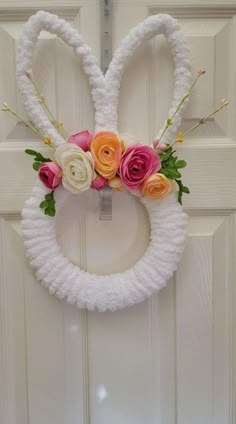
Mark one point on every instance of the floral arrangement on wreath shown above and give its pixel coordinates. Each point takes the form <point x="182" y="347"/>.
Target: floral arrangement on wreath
<point x="104" y="159"/>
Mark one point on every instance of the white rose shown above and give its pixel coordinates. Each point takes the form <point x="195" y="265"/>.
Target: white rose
<point x="77" y="167"/>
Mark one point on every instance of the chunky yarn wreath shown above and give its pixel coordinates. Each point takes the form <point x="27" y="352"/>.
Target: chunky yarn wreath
<point x="92" y="161"/>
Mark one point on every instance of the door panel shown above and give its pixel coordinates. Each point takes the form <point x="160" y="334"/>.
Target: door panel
<point x="43" y="341"/>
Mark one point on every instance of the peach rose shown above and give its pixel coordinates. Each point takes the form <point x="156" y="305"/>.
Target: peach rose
<point x="157" y="186"/>
<point x="116" y="184"/>
<point x="106" y="150"/>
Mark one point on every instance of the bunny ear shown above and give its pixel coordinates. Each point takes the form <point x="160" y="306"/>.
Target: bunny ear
<point x="105" y="91"/>
<point x="51" y="23"/>
<point x="156" y="24"/>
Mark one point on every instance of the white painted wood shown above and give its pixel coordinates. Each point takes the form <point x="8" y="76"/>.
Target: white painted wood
<point x="170" y="359"/>
<point x="202" y="332"/>
<point x="43" y="351"/>
<point x="184" y="336"/>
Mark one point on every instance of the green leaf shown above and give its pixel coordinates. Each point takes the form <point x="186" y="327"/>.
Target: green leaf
<point x="182" y="189"/>
<point x="181" y="164"/>
<point x="40" y="158"/>
<point x="50" y="211"/>
<point x="171" y="162"/>
<point x="36" y="165"/>
<point x="170" y="166"/>
<point x="164" y="156"/>
<point x="30" y="152"/>
<point x="43" y="204"/>
<point x="180" y="195"/>
<point x="48" y="204"/>
<point x="44" y="160"/>
<point x="49" y="196"/>
<point x="170" y="173"/>
<point x="185" y="189"/>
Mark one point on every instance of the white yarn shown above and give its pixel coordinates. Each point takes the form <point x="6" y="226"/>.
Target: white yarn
<point x="167" y="219"/>
<point x="156" y="24"/>
<point x="104" y="292"/>
<point x="105" y="89"/>
<point x="51" y="23"/>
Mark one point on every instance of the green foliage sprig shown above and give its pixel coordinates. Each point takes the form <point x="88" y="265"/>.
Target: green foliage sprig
<point x="170" y="166"/>
<point x="182" y="189"/>
<point x="38" y="158"/>
<point x="48" y="204"/>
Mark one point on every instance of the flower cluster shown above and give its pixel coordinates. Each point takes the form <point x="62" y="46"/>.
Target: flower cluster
<point x="94" y="161"/>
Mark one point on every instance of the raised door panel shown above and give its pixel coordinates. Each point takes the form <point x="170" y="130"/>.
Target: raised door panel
<point x="204" y="306"/>
<point x="171" y="359"/>
<point x="43" y="352"/>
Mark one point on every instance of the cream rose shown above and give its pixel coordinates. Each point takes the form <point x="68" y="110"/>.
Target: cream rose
<point x="77" y="167"/>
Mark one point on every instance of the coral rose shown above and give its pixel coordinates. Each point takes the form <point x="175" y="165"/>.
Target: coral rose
<point x="81" y="139"/>
<point x="106" y="150"/>
<point x="137" y="163"/>
<point x="157" y="186"/>
<point x="77" y="167"/>
<point x="50" y="173"/>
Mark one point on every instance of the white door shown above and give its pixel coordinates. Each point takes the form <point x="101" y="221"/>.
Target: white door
<point x="170" y="359"/>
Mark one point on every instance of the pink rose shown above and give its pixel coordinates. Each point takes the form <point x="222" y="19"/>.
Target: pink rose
<point x="156" y="143"/>
<point x="137" y="163"/>
<point x="99" y="183"/>
<point x="81" y="139"/>
<point x="50" y="173"/>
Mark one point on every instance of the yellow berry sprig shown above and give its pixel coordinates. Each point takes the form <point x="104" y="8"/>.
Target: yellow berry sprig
<point x="58" y="125"/>
<point x="46" y="139"/>
<point x="170" y="120"/>
<point x="202" y="121"/>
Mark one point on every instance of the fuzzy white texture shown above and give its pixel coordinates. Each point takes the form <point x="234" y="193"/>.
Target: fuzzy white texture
<point x="27" y="42"/>
<point x="167" y="219"/>
<point x="105" y="89"/>
<point x="104" y="292"/>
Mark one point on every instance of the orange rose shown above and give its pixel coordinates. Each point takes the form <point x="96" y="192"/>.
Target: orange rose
<point x="116" y="184"/>
<point x="106" y="150"/>
<point x="157" y="186"/>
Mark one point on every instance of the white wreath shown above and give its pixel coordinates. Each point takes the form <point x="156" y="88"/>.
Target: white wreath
<point x="167" y="219"/>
